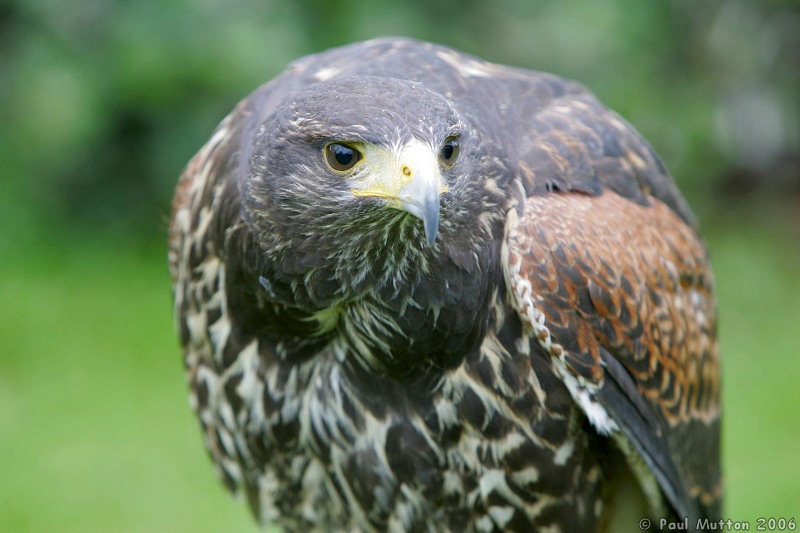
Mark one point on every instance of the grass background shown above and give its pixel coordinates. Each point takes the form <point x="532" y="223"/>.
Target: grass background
<point x="104" y="102"/>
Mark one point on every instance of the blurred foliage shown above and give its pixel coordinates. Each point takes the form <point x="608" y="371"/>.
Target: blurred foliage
<point x="95" y="431"/>
<point x="103" y="101"/>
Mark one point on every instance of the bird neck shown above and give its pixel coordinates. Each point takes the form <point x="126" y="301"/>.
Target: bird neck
<point x="395" y="312"/>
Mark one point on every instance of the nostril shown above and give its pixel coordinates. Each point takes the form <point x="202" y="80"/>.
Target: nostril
<point x="406" y="171"/>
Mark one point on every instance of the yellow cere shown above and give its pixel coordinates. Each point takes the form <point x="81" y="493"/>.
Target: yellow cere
<point x="384" y="173"/>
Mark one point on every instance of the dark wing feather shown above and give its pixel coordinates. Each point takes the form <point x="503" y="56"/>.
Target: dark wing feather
<point x="620" y="294"/>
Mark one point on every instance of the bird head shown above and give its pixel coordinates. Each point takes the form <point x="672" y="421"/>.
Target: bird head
<point x="356" y="171"/>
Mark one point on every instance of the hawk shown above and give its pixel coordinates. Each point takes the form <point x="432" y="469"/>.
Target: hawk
<point x="418" y="291"/>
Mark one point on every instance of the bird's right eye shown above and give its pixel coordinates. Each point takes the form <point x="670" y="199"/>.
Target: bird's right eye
<point x="341" y="157"/>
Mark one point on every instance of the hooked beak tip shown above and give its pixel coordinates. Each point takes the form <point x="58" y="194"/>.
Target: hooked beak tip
<point x="426" y="209"/>
<point x="431" y="229"/>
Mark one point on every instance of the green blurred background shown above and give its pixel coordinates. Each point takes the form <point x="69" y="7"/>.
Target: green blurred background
<point x="104" y="101"/>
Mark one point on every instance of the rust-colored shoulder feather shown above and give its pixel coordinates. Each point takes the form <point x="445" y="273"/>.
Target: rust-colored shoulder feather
<point x="621" y="295"/>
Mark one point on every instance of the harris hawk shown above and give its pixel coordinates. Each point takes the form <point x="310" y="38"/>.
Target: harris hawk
<point x="418" y="291"/>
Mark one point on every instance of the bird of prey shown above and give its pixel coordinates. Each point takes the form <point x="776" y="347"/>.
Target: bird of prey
<point x="418" y="291"/>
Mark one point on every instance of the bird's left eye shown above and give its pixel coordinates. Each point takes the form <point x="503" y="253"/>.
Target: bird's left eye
<point x="341" y="157"/>
<point x="449" y="152"/>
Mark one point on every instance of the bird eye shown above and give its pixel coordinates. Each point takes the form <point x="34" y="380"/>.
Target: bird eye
<point x="449" y="152"/>
<point x="341" y="157"/>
